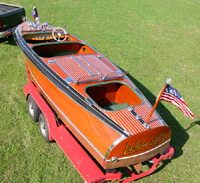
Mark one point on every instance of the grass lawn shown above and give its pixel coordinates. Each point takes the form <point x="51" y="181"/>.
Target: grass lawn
<point x="153" y="40"/>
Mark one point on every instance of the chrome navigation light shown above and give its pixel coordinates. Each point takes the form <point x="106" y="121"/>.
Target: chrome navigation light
<point x="114" y="159"/>
<point x="44" y="26"/>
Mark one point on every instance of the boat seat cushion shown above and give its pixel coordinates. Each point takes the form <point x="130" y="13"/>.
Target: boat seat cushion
<point x="117" y="106"/>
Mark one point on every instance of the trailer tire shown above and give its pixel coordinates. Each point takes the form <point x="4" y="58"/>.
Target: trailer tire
<point x="44" y="129"/>
<point x="33" y="109"/>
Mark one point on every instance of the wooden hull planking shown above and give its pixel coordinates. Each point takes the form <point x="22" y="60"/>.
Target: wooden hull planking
<point x="115" y="137"/>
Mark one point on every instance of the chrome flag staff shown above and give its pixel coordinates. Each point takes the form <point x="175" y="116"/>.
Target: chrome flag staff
<point x="170" y="94"/>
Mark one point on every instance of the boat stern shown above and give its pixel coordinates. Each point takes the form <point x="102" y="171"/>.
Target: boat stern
<point x="138" y="148"/>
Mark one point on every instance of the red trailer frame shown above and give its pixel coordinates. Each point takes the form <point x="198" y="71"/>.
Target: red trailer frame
<point x="88" y="169"/>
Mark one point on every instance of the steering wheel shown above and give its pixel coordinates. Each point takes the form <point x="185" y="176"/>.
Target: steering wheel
<point x="58" y="32"/>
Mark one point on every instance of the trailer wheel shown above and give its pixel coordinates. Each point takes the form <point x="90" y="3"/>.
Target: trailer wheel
<point x="33" y="109"/>
<point x="44" y="130"/>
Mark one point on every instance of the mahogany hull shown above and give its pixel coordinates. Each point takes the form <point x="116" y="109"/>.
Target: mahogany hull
<point x="114" y="136"/>
<point x="79" y="121"/>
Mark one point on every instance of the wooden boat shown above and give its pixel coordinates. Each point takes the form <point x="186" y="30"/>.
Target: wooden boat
<point x="92" y="97"/>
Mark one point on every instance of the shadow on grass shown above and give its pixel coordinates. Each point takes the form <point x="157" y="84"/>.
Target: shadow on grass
<point x="179" y="134"/>
<point x="10" y="40"/>
<point x="193" y="124"/>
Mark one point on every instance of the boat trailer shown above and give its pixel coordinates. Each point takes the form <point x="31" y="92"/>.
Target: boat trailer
<point x="82" y="161"/>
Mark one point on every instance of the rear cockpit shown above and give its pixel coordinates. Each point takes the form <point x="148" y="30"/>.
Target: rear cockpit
<point x="113" y="95"/>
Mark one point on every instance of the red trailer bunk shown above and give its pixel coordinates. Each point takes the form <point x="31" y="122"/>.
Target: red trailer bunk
<point x="52" y="129"/>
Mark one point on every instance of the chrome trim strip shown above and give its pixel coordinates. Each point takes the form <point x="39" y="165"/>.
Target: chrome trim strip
<point x="117" y="142"/>
<point x="68" y="80"/>
<point x="89" y="101"/>
<point x="114" y="144"/>
<point x="50" y="62"/>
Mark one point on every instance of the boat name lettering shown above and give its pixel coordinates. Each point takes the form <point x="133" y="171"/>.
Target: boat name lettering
<point x="157" y="140"/>
<point x="130" y="148"/>
<point x="135" y="148"/>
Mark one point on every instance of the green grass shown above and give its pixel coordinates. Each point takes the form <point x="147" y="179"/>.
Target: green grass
<point x="153" y="40"/>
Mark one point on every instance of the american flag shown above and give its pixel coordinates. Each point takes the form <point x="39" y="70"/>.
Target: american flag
<point x="34" y="12"/>
<point x="171" y="95"/>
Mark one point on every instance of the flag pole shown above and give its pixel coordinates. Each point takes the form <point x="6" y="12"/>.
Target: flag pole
<point x="34" y="16"/>
<point x="168" y="81"/>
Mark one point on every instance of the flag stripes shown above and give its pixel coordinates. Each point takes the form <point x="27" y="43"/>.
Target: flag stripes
<point x="172" y="95"/>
